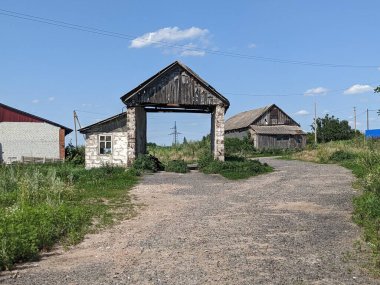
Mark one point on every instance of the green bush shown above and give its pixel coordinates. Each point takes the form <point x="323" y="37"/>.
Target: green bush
<point x="179" y="166"/>
<point x="147" y="162"/>
<point x="233" y="168"/>
<point x="75" y="155"/>
<point x="341" y="155"/>
<point x="241" y="147"/>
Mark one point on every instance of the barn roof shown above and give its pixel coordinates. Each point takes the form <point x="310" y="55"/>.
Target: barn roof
<point x="105" y="121"/>
<point x="10" y="114"/>
<point x="277" y="130"/>
<point x="150" y="81"/>
<point x="244" y="119"/>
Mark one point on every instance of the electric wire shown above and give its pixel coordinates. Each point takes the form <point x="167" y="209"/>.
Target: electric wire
<point x="183" y="47"/>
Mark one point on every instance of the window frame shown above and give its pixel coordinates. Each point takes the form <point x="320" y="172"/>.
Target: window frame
<point x="105" y="141"/>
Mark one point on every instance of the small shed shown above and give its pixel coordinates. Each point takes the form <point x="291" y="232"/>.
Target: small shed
<point x="106" y="142"/>
<point x="268" y="127"/>
<point x="23" y="135"/>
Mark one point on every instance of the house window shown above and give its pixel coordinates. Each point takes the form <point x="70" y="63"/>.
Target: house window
<point x="105" y="144"/>
<point x="282" y="138"/>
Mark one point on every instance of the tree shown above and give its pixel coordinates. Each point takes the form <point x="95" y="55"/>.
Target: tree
<point x="330" y="128"/>
<point x="184" y="140"/>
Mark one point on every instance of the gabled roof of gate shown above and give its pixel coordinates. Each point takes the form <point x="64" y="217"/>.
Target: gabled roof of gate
<point x="166" y="70"/>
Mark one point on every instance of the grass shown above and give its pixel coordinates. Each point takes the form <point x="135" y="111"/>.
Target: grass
<point x="190" y="152"/>
<point x="179" y="166"/>
<point x="45" y="204"/>
<point x="237" y="164"/>
<point x="363" y="158"/>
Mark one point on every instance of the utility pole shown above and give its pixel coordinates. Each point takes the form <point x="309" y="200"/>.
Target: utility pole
<point x="175" y="133"/>
<point x="315" y="121"/>
<point x="75" y="128"/>
<point x="355" y="119"/>
<point x="76" y="120"/>
<point x="367" y="120"/>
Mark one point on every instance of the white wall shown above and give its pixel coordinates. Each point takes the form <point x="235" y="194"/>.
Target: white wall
<point x="28" y="139"/>
<point x="119" y="154"/>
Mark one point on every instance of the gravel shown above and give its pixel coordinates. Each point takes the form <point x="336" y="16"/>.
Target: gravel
<point x="292" y="226"/>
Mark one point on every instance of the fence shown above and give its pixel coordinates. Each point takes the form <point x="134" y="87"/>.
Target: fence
<point x="31" y="159"/>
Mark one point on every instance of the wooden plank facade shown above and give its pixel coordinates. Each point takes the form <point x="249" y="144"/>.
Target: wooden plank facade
<point x="268" y="127"/>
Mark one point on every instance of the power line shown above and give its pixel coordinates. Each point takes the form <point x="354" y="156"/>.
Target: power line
<point x="183" y="47"/>
<point x="289" y="94"/>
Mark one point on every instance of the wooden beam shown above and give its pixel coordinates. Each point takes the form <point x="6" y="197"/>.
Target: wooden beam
<point x="177" y="110"/>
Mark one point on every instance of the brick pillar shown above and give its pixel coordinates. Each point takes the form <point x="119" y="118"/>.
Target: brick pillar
<point x="131" y="135"/>
<point x="217" y="132"/>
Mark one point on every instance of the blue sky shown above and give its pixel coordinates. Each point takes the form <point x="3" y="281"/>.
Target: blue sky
<point x="50" y="71"/>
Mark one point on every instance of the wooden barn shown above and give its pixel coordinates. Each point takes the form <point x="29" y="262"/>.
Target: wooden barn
<point x="268" y="127"/>
<point x="25" y="137"/>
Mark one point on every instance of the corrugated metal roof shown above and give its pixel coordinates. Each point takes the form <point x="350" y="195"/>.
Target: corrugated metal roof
<point x="277" y="130"/>
<point x="10" y="114"/>
<point x="244" y="119"/>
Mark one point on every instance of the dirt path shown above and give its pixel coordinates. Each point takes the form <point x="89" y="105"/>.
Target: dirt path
<point x="291" y="226"/>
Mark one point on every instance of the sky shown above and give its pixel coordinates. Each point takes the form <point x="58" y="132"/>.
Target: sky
<point x="291" y="53"/>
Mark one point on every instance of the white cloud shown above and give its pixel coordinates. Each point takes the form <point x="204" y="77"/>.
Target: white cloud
<point x="168" y="35"/>
<point x="193" y="53"/>
<point x="35" y="101"/>
<point x="252" y="45"/>
<point x="316" y="91"/>
<point x="358" y="88"/>
<point x="51" y="99"/>
<point x="192" y="50"/>
<point x="302" y="113"/>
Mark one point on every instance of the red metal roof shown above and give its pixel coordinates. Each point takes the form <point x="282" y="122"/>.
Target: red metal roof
<point x="9" y="114"/>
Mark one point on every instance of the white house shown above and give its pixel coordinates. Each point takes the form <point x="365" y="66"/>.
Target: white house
<point x="26" y="135"/>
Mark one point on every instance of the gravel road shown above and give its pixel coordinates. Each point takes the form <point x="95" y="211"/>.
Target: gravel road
<point x="292" y="226"/>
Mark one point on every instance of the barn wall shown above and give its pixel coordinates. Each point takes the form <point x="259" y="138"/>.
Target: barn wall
<point x="29" y="139"/>
<point x="272" y="141"/>
<point x="237" y="134"/>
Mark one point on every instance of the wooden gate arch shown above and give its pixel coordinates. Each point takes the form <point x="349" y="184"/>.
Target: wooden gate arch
<point x="176" y="88"/>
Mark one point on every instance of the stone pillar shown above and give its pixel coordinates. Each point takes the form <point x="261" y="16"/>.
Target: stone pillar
<point x="136" y="133"/>
<point x="131" y="135"/>
<point x="217" y="132"/>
